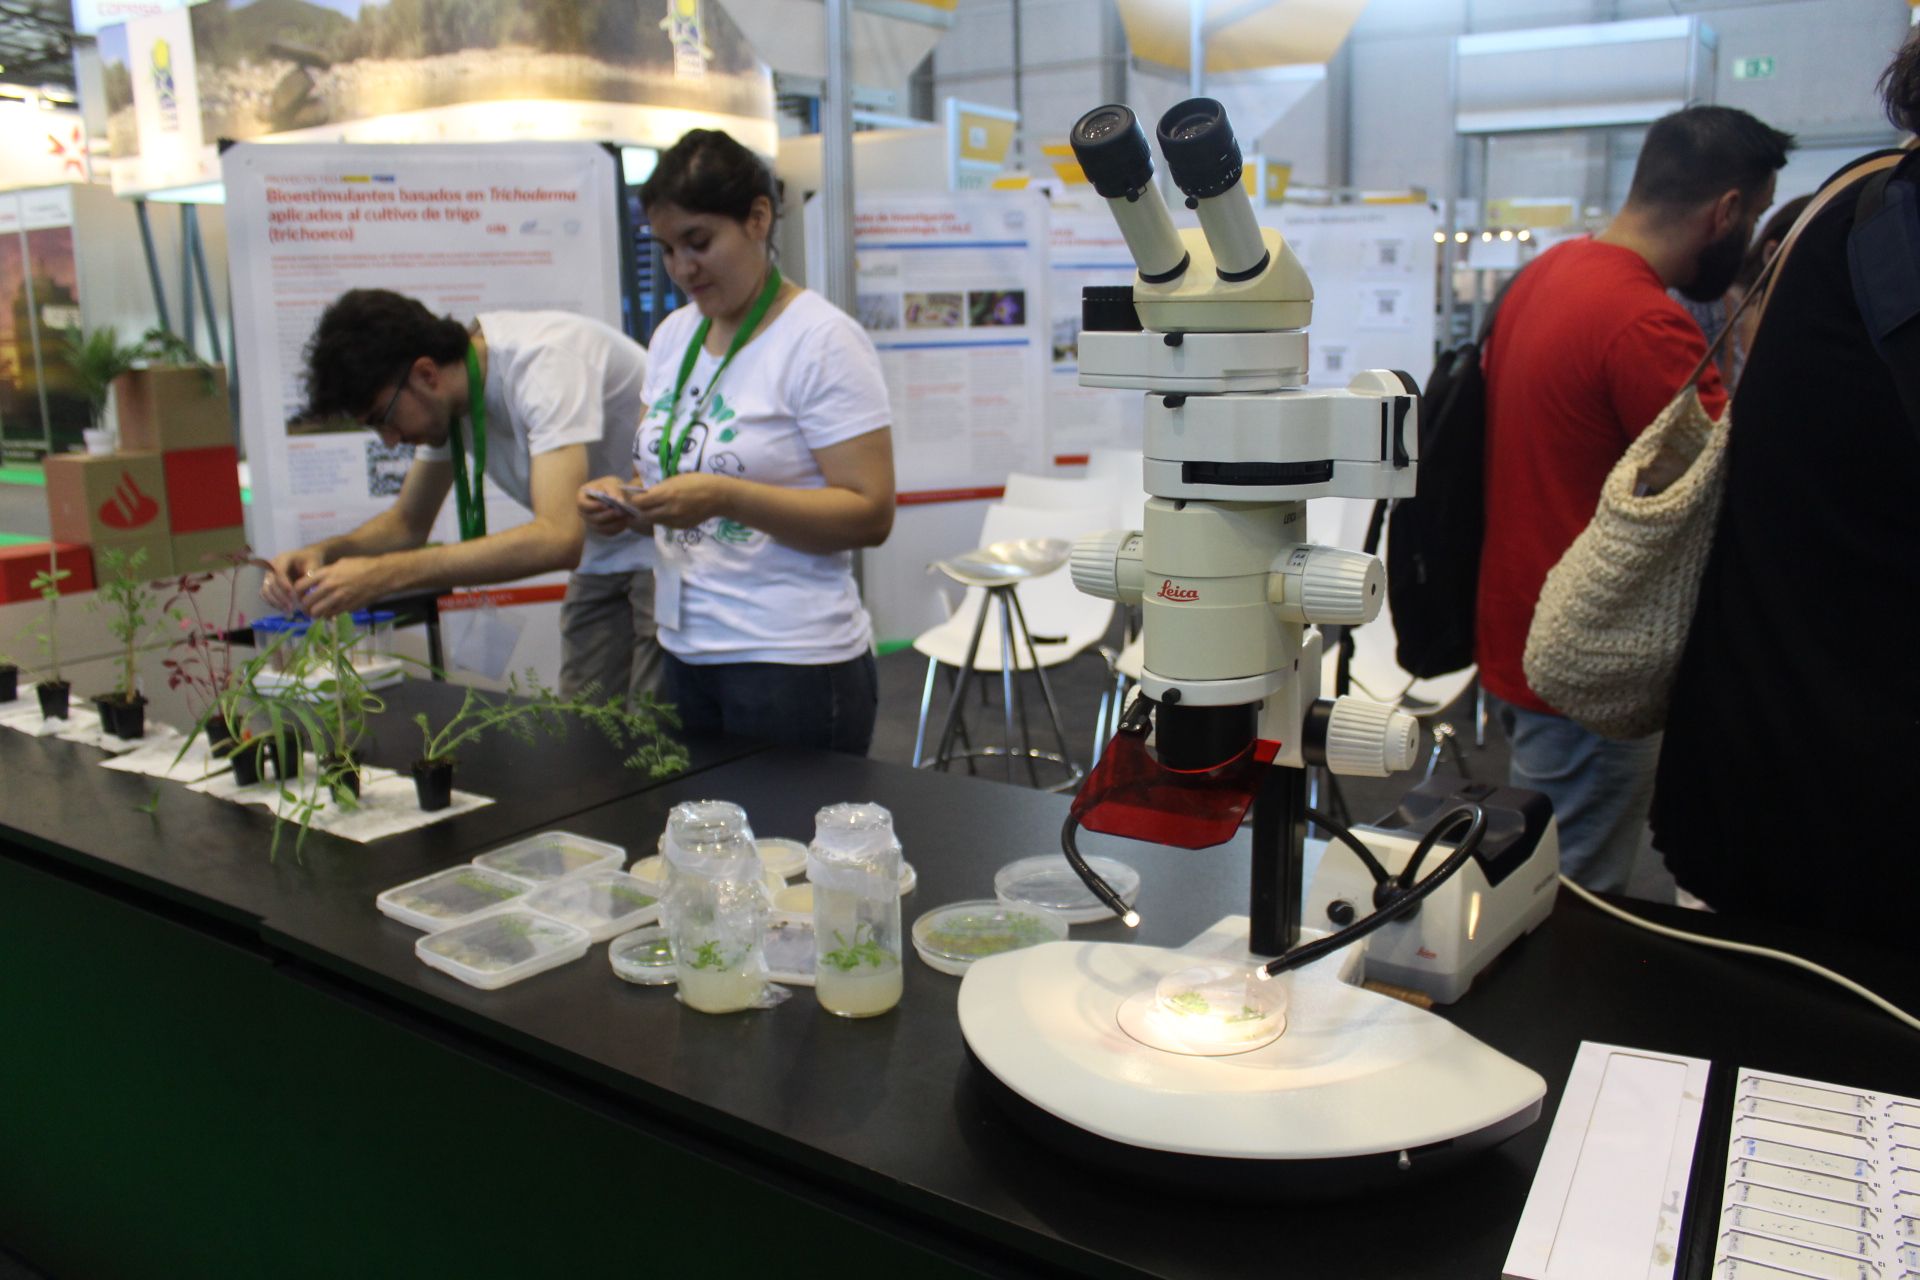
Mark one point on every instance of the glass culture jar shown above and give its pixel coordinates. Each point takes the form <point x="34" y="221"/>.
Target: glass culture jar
<point x="716" y="907"/>
<point x="854" y="864"/>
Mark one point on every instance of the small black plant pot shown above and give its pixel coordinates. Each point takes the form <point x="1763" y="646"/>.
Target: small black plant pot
<point x="9" y="682"/>
<point x="248" y="760"/>
<point x="341" y="771"/>
<point x="433" y="783"/>
<point x="219" y="734"/>
<point x="54" y="695"/>
<point x="121" y="718"/>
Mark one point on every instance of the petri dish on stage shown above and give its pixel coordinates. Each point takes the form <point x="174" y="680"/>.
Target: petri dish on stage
<point x="500" y="949"/>
<point x="552" y="855"/>
<point x="447" y="898"/>
<point x="604" y="903"/>
<point x="953" y="937"/>
<point x="1050" y="882"/>
<point x="643" y="957"/>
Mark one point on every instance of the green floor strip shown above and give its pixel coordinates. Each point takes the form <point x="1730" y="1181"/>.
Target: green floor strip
<point x="18" y="539"/>
<point x="22" y="475"/>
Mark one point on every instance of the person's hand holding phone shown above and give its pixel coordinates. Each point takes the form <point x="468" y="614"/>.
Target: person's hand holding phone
<point x="604" y="506"/>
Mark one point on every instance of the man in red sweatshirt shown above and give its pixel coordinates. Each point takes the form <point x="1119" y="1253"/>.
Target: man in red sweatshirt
<point x="1586" y="350"/>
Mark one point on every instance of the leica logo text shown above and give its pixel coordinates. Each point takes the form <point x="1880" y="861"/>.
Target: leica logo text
<point x="1170" y="592"/>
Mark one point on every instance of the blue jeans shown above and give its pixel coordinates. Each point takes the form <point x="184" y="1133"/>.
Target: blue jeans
<point x="830" y="707"/>
<point x="1600" y="789"/>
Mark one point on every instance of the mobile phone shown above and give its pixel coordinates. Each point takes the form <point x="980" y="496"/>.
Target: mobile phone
<point x="606" y="499"/>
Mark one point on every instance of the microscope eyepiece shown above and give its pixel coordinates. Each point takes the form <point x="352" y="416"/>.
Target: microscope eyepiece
<point x="1112" y="149"/>
<point x="1202" y="154"/>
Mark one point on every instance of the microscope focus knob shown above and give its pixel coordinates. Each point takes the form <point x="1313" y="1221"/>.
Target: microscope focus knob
<point x="1106" y="565"/>
<point x="1370" y="739"/>
<point x="1341" y="587"/>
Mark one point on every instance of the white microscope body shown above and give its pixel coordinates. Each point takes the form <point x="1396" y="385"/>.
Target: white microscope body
<point x="1213" y="331"/>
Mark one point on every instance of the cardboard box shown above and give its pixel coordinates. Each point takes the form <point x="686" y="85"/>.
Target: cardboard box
<point x="158" y="546"/>
<point x="107" y="499"/>
<point x="207" y="552"/>
<point x="19" y="563"/>
<point x="203" y="489"/>
<point x="173" y="408"/>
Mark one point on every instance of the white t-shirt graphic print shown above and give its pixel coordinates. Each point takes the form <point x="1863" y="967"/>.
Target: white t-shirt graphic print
<point x="808" y="380"/>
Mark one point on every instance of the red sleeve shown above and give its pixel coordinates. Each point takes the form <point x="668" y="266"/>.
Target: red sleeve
<point x="1647" y="363"/>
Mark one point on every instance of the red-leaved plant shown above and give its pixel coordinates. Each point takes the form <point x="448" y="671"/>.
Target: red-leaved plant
<point x="201" y="660"/>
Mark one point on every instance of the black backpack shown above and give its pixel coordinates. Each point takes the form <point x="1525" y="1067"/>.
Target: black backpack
<point x="1433" y="540"/>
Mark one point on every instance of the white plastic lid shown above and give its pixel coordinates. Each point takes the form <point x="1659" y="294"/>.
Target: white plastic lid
<point x="503" y="948"/>
<point x="854" y="849"/>
<point x="952" y="937"/>
<point x="784" y="858"/>
<point x="604" y="903"/>
<point x="644" y="956"/>
<point x="449" y="897"/>
<point x="788" y="948"/>
<point x="552" y="855"/>
<point x="1049" y="881"/>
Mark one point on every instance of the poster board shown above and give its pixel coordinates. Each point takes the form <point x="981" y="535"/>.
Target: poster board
<point x="952" y="290"/>
<point x="1373" y="271"/>
<point x="444" y="224"/>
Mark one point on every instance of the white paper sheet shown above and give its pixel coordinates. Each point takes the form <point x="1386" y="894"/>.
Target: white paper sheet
<point x="388" y="803"/>
<point x="159" y="756"/>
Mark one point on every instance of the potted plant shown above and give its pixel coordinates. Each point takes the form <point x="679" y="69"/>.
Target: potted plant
<point x="9" y="677"/>
<point x="201" y="660"/>
<point x="131" y="616"/>
<point x="54" y="691"/>
<point x="531" y="709"/>
<point x="97" y="357"/>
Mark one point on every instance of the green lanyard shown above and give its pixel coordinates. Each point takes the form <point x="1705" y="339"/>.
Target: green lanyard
<point x="671" y="449"/>
<point x="466" y="486"/>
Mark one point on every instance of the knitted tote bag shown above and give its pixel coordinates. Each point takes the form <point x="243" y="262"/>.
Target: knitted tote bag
<point x="1612" y="619"/>
<point x="1613" y="615"/>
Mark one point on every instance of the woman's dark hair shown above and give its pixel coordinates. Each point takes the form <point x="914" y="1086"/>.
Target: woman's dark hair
<point x="1900" y="85"/>
<point x="1774" y="232"/>
<point x="364" y="340"/>
<point x="707" y="171"/>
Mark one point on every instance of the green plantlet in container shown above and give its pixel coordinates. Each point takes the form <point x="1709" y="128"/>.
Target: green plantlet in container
<point x="864" y="949"/>
<point x="709" y="955"/>
<point x="1191" y="1003"/>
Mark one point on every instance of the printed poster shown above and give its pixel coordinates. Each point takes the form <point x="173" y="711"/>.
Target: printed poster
<point x="953" y="291"/>
<point x="464" y="228"/>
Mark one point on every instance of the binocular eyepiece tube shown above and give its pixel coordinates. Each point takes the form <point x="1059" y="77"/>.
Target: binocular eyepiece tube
<point x="1113" y="152"/>
<point x="1204" y="160"/>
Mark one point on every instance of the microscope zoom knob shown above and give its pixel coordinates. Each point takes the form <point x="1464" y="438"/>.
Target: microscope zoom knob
<point x="1095" y="563"/>
<point x="1342" y="587"/>
<point x="1370" y="739"/>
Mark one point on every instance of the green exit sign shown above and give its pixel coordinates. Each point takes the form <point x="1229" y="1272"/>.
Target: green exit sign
<point x="1753" y="69"/>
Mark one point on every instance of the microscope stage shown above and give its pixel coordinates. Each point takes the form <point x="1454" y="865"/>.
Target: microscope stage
<point x="1355" y="1074"/>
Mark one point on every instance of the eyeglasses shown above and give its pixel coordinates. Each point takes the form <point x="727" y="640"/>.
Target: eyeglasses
<point x="379" y="422"/>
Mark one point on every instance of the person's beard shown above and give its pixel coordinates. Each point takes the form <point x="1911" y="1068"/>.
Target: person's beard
<point x="1718" y="265"/>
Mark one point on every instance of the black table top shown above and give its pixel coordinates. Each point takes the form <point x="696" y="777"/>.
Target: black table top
<point x="212" y="856"/>
<point x="889" y="1113"/>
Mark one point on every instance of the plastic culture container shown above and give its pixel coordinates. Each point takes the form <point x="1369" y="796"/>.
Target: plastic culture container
<point x="552" y="855"/>
<point x="854" y="865"/>
<point x="716" y="907"/>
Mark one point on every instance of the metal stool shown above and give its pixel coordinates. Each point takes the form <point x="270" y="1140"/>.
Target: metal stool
<point x="997" y="569"/>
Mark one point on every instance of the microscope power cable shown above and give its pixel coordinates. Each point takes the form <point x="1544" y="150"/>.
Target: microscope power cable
<point x="1885" y="1005"/>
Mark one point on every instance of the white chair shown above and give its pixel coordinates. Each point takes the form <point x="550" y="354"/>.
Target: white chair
<point x="1123" y="473"/>
<point x="1043" y="621"/>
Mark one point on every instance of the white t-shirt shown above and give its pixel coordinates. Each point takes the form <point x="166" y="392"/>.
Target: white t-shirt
<point x="809" y="379"/>
<point x="555" y="379"/>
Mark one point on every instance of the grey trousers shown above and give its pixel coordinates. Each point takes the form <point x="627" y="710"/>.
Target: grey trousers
<point x="607" y="635"/>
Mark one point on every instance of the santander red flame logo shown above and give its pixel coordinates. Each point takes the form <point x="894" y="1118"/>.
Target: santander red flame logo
<point x="1168" y="591"/>
<point x="128" y="508"/>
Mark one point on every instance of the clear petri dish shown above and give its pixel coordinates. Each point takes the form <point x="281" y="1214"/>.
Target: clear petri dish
<point x="497" y="950"/>
<point x="643" y="957"/>
<point x="953" y="937"/>
<point x="784" y="858"/>
<point x="1050" y="882"/>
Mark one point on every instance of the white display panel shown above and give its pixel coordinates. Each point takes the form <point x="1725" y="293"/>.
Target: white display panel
<point x="444" y="224"/>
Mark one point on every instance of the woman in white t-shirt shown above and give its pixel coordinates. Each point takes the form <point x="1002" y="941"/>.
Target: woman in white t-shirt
<point x="763" y="460"/>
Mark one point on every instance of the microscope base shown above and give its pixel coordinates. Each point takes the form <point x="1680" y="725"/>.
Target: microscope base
<point x="1360" y="1089"/>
